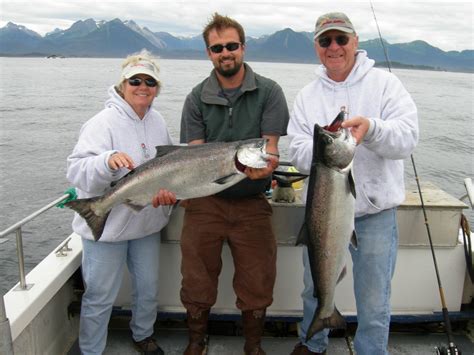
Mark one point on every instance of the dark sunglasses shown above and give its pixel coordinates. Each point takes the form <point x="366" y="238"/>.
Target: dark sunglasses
<point x="325" y="42"/>
<point x="218" y="48"/>
<point x="150" y="82"/>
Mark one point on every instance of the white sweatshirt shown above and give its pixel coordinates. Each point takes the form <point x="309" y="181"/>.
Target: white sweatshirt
<point x="393" y="134"/>
<point x="117" y="128"/>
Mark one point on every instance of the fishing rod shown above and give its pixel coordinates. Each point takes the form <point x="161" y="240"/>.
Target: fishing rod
<point x="452" y="348"/>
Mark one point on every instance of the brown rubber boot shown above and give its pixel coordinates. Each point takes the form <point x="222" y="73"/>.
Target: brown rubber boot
<point x="197" y="328"/>
<point x="253" y="322"/>
<point x="301" y="349"/>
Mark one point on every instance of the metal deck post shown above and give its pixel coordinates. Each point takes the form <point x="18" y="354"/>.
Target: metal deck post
<point x="21" y="262"/>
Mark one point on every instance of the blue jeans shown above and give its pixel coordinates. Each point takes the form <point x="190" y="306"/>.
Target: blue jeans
<point x="102" y="270"/>
<point x="373" y="267"/>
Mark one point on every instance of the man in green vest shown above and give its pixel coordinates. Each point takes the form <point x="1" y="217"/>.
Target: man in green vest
<point x="233" y="103"/>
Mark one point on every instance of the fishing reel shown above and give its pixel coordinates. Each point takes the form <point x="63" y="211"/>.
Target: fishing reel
<point x="452" y="350"/>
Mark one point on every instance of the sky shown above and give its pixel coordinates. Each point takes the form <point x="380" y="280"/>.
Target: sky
<point x="448" y="25"/>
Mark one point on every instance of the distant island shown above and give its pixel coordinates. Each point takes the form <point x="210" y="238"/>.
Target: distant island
<point x="407" y="66"/>
<point x="117" y="38"/>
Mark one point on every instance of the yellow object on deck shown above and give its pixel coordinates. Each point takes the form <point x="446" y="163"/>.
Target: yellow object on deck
<point x="296" y="185"/>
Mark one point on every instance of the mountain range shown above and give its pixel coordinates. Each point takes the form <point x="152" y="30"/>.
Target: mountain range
<point x="117" y="38"/>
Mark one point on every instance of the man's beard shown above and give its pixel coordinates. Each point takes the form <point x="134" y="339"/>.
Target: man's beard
<point x="231" y="71"/>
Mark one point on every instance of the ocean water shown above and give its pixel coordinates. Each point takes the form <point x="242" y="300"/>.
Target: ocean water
<point x="44" y="102"/>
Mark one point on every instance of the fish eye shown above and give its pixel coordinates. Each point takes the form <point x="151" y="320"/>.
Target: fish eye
<point x="328" y="139"/>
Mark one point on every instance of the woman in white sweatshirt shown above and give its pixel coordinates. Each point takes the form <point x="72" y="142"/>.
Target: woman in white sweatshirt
<point x="120" y="137"/>
<point x="383" y="119"/>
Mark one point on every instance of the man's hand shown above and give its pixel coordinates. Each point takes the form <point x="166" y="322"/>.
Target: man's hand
<point x="359" y="126"/>
<point x="272" y="161"/>
<point x="163" y="198"/>
<point x="254" y="173"/>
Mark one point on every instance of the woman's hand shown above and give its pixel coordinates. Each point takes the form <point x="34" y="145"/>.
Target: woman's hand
<point x="120" y="160"/>
<point x="163" y="198"/>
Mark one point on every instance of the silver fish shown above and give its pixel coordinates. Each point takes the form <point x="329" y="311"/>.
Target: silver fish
<point x="188" y="171"/>
<point x="329" y="218"/>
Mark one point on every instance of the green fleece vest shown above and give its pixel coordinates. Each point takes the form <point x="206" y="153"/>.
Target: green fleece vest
<point x="226" y="122"/>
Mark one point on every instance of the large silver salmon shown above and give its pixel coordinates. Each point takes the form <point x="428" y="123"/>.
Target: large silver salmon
<point x="329" y="218"/>
<point x="188" y="171"/>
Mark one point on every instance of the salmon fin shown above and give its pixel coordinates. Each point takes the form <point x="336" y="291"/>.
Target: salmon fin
<point x="223" y="180"/>
<point x="303" y="235"/>
<point x="343" y="273"/>
<point x="335" y="321"/>
<point x="299" y="175"/>
<point x="282" y="181"/>
<point x="286" y="181"/>
<point x="352" y="185"/>
<point x="134" y="206"/>
<point x="162" y="150"/>
<point x="83" y="208"/>
<point x="354" y="239"/>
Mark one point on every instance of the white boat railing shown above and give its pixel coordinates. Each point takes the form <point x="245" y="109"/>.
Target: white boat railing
<point x="19" y="239"/>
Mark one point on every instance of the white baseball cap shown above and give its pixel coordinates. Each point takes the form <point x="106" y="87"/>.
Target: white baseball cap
<point x="141" y="67"/>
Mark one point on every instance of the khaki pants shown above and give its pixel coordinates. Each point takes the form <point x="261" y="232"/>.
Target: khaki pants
<point x="245" y="223"/>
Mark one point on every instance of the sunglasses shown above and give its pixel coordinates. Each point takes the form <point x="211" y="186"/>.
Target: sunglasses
<point x="218" y="48"/>
<point x="150" y="82"/>
<point x="325" y="42"/>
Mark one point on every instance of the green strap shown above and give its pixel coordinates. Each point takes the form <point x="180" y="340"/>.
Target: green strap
<point x="72" y="196"/>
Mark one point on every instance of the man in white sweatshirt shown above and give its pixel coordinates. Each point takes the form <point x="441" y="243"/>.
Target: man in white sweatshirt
<point x="383" y="119"/>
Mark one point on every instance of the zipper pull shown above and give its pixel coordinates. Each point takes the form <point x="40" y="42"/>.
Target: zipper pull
<point x="346" y="113"/>
<point x="145" y="152"/>
<point x="230" y="117"/>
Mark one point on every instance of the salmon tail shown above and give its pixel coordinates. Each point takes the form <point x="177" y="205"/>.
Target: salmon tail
<point x="335" y="321"/>
<point x="83" y="208"/>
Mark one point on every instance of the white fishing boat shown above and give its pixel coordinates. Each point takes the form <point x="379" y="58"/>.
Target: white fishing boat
<point x="42" y="309"/>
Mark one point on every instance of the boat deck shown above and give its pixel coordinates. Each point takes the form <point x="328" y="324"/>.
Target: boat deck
<point x="280" y="338"/>
<point x="416" y="318"/>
